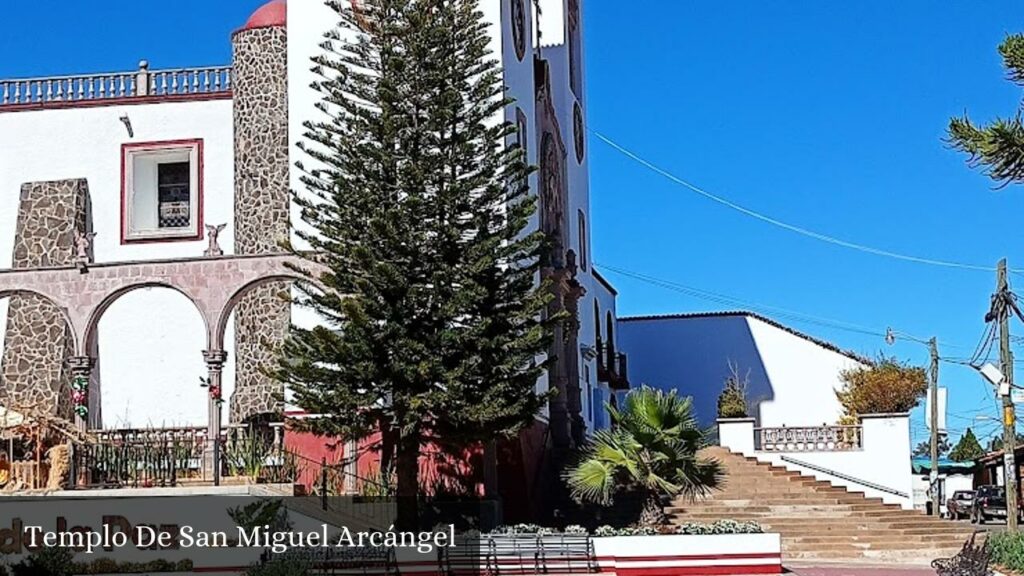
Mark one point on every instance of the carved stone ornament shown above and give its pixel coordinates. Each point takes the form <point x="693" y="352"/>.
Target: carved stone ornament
<point x="519" y="28"/>
<point x="579" y="132"/>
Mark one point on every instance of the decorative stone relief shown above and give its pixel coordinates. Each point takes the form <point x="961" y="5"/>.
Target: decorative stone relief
<point x="52" y="216"/>
<point x="262" y="206"/>
<point x="519" y="28"/>
<point x="579" y="132"/>
<point x="566" y="419"/>
<point x="212" y="233"/>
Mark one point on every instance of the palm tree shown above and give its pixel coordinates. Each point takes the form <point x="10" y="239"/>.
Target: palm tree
<point x="651" y="449"/>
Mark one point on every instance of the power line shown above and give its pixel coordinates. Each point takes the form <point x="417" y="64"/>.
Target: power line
<point x="768" y="309"/>
<point x="785" y="225"/>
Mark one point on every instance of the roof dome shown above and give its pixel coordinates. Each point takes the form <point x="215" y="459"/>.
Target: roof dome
<point x="273" y="13"/>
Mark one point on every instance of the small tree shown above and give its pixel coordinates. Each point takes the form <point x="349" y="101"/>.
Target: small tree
<point x="888" y="386"/>
<point x="732" y="402"/>
<point x="651" y="450"/>
<point x="925" y="448"/>
<point x="968" y="448"/>
<point x="996" y="443"/>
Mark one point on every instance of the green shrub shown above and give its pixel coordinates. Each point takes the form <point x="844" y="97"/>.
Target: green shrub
<point x="732" y="402"/>
<point x="691" y="528"/>
<point x="1007" y="550"/>
<point x="46" y="562"/>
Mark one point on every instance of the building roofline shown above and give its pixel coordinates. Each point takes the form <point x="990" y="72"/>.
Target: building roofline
<point x="748" y="314"/>
<point x="604" y="281"/>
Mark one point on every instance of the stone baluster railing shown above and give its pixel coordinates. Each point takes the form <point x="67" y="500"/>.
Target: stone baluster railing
<point x="92" y="87"/>
<point x="809" y="438"/>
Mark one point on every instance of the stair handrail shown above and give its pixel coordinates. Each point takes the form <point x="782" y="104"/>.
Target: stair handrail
<point x="846" y="477"/>
<point x="336" y="468"/>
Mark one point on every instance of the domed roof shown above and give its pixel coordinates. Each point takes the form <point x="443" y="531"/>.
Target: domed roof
<point x="273" y="13"/>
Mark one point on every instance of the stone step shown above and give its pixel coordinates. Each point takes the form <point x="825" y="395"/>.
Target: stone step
<point x="818" y="520"/>
<point x="784" y="504"/>
<point x="922" y="556"/>
<point x="746" y="496"/>
<point x="808" y="513"/>
<point x="867" y="537"/>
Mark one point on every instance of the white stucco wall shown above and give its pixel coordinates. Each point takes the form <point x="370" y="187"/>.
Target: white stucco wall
<point x="791" y="380"/>
<point x="692" y="355"/>
<point x="804" y="377"/>
<point x="884" y="460"/>
<point x="950" y="483"/>
<point x="880" y="468"/>
<point x="150" y="340"/>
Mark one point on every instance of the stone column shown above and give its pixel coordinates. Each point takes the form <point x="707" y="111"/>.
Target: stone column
<point x="38" y="343"/>
<point x="262" y="205"/>
<point x="81" y="374"/>
<point x="212" y="452"/>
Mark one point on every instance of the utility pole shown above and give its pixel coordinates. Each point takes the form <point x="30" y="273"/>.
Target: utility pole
<point x="933" y="389"/>
<point x="1001" y="305"/>
<point x="933" y="416"/>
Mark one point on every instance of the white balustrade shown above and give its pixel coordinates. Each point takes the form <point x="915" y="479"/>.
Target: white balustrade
<point x="809" y="439"/>
<point x="137" y="83"/>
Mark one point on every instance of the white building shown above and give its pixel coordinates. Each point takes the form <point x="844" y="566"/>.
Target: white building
<point x="791" y="377"/>
<point x="154" y="161"/>
<point x="791" y="382"/>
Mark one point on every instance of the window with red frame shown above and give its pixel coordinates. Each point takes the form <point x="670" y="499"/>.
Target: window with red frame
<point x="161" y="196"/>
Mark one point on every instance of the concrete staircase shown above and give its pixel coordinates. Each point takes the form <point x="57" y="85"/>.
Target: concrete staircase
<point x="819" y="521"/>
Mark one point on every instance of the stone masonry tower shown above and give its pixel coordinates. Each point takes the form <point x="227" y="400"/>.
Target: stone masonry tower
<point x="38" y="341"/>
<point x="261" y="201"/>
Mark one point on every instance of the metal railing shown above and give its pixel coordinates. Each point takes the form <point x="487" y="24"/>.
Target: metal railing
<point x="344" y="494"/>
<point x="106" y="86"/>
<point x="163" y="457"/>
<point x="846" y="477"/>
<point x="823" y="438"/>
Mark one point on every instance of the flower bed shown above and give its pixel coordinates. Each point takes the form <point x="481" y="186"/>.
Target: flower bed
<point x="687" y="554"/>
<point x="723" y="548"/>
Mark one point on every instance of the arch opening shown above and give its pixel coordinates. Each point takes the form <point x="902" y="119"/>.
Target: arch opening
<point x="217" y="337"/>
<point x="149" y="341"/>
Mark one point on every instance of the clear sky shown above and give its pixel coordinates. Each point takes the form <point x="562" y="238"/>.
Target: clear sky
<point x="826" y="115"/>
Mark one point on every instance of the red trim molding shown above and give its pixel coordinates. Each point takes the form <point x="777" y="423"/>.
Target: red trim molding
<point x="162" y="145"/>
<point x="122" y="101"/>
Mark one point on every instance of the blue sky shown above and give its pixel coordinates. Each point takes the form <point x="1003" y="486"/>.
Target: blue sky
<point x="825" y="115"/>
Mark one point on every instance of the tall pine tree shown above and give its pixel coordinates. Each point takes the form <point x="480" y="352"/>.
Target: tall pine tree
<point x="997" y="148"/>
<point x="419" y="210"/>
<point x="968" y="448"/>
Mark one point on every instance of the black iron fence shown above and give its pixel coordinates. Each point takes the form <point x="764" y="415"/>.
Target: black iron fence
<point x="162" y="457"/>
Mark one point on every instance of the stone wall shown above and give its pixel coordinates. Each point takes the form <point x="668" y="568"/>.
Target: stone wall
<point x="261" y="209"/>
<point x="38" y="341"/>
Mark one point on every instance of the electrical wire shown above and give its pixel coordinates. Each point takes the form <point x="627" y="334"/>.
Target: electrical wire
<point x="785" y="225"/>
<point x="767" y="309"/>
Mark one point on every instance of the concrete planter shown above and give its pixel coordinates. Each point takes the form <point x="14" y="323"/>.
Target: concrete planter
<point x="671" y="555"/>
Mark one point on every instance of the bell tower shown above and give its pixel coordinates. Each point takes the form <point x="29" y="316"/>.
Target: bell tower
<point x="260" y="63"/>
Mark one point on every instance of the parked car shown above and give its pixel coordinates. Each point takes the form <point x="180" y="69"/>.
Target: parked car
<point x="959" y="505"/>
<point x="989" y="502"/>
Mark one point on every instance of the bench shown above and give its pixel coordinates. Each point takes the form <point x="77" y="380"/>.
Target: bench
<point x="972" y="560"/>
<point x="346" y="561"/>
<point x="464" y="557"/>
<point x="566" y="553"/>
<point x="513" y="554"/>
<point x="498" y="554"/>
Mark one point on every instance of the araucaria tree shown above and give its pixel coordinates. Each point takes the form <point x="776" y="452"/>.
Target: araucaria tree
<point x="888" y="386"/>
<point x="997" y="148"/>
<point x="431" y="320"/>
